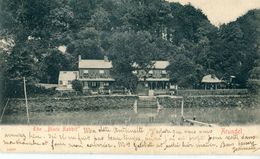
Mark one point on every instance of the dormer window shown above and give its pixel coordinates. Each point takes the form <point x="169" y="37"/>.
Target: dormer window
<point x="101" y="71"/>
<point x="150" y="72"/>
<point x="85" y="71"/>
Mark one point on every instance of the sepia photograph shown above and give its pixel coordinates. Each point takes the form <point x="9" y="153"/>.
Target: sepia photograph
<point x="127" y="62"/>
<point x="121" y="74"/>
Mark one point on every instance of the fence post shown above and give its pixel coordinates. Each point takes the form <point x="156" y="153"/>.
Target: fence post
<point x="182" y="104"/>
<point x="26" y="102"/>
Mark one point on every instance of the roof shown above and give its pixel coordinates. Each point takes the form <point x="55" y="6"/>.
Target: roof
<point x="161" y="64"/>
<point x="210" y="79"/>
<point x="155" y="79"/>
<point x="47" y="85"/>
<point x="104" y="64"/>
<point x="68" y="75"/>
<point x="158" y="64"/>
<point x="95" y="64"/>
<point x="97" y="79"/>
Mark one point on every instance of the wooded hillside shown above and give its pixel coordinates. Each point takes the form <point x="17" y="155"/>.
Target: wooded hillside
<point x="126" y="31"/>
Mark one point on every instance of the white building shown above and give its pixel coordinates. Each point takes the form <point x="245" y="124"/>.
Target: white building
<point x="65" y="79"/>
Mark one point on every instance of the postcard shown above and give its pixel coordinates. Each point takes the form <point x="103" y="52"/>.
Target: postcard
<point x="130" y="77"/>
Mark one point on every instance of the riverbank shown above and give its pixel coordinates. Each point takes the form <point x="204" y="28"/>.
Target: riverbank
<point x="99" y="102"/>
<point x="118" y="109"/>
<point x="77" y="103"/>
<point x="207" y="101"/>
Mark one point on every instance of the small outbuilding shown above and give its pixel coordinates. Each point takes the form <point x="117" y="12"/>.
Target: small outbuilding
<point x="66" y="78"/>
<point x="211" y="82"/>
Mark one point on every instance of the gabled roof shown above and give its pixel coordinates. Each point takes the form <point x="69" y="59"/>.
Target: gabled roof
<point x="210" y="79"/>
<point x="68" y="75"/>
<point x="95" y="64"/>
<point x="106" y="64"/>
<point x="161" y="64"/>
<point x="157" y="64"/>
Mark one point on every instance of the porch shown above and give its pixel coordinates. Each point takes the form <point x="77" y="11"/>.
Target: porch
<point x="155" y="83"/>
<point x="97" y="84"/>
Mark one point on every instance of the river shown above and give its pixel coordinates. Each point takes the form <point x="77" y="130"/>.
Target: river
<point x="144" y="116"/>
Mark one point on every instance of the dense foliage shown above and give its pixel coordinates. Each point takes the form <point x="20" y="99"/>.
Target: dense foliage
<point x="77" y="85"/>
<point x="126" y="31"/>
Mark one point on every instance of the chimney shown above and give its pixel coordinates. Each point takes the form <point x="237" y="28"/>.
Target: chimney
<point x="106" y="58"/>
<point x="79" y="57"/>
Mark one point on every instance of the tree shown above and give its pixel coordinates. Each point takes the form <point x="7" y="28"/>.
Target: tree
<point x="61" y="18"/>
<point x="21" y="63"/>
<point x="183" y="71"/>
<point x="77" y="85"/>
<point x="36" y="28"/>
<point x="53" y="64"/>
<point x="100" y="19"/>
<point x="2" y="79"/>
<point x="131" y="51"/>
<point x="85" y="43"/>
<point x="128" y="31"/>
<point x="82" y="10"/>
<point x="234" y="51"/>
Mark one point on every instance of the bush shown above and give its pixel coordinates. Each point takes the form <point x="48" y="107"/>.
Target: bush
<point x="33" y="90"/>
<point x="77" y="86"/>
<point x="254" y="86"/>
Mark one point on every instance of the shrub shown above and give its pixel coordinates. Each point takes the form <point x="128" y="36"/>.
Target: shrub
<point x="77" y="85"/>
<point x="254" y="86"/>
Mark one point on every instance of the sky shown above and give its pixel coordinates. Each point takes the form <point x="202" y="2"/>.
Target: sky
<point x="222" y="11"/>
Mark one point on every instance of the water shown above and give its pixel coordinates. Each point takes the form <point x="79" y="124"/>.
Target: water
<point x="144" y="116"/>
<point x="112" y="116"/>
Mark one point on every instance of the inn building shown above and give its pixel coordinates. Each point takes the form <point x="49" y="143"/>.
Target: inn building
<point x="95" y="74"/>
<point x="157" y="77"/>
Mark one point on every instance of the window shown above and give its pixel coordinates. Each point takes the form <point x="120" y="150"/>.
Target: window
<point x="64" y="72"/>
<point x="164" y="72"/>
<point x="61" y="82"/>
<point x="93" y="84"/>
<point x="85" y="73"/>
<point x="106" y="84"/>
<point x="101" y="71"/>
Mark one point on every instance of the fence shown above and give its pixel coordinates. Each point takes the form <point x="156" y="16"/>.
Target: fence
<point x="193" y="92"/>
<point x="161" y="92"/>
